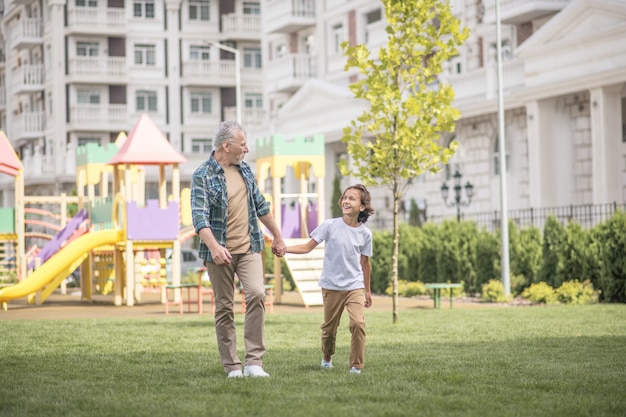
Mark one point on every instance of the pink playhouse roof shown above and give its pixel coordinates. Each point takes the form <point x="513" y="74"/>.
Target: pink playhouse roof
<point x="9" y="162"/>
<point x="146" y="145"/>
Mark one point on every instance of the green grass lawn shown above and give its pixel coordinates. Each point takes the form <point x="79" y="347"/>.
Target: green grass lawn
<point x="510" y="361"/>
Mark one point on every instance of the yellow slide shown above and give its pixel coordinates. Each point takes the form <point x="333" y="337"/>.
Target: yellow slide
<point x="60" y="264"/>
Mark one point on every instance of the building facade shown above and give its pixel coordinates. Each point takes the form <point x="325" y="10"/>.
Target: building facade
<point x="564" y="84"/>
<point x="81" y="71"/>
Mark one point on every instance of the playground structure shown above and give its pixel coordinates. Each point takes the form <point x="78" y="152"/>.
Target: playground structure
<point x="305" y="155"/>
<point x="113" y="237"/>
<point x="121" y="226"/>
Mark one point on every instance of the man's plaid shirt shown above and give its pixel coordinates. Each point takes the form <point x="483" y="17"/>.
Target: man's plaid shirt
<point x="209" y="204"/>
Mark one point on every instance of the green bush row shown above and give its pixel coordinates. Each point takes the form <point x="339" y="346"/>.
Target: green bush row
<point x="457" y="252"/>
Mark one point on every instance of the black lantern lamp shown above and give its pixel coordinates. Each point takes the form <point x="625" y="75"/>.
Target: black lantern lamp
<point x="458" y="188"/>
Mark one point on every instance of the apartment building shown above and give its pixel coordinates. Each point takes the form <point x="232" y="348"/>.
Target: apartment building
<point x="81" y="71"/>
<point x="564" y="85"/>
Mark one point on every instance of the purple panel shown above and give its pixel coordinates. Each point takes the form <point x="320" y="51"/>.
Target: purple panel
<point x="151" y="222"/>
<point x="57" y="241"/>
<point x="290" y="220"/>
<point x="311" y="221"/>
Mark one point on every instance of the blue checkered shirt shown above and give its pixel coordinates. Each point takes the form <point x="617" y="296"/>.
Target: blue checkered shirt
<point x="209" y="204"/>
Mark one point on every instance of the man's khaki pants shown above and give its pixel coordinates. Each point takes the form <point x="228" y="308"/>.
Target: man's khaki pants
<point x="249" y="270"/>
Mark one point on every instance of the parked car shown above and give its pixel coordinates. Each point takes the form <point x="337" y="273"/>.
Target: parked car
<point x="189" y="263"/>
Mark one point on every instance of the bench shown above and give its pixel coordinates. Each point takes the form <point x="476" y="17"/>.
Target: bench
<point x="436" y="287"/>
<point x="200" y="291"/>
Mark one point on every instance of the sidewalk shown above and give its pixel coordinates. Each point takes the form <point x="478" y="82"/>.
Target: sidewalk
<point x="61" y="307"/>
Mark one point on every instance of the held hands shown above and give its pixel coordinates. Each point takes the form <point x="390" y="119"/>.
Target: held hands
<point x="279" y="248"/>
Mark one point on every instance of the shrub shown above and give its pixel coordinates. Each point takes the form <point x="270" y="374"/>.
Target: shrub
<point x="519" y="283"/>
<point x="407" y="288"/>
<point x="553" y="236"/>
<point x="540" y="292"/>
<point x="493" y="292"/>
<point x="526" y="256"/>
<point x="381" y="261"/>
<point x="576" y="292"/>
<point x="612" y="253"/>
<point x="487" y="260"/>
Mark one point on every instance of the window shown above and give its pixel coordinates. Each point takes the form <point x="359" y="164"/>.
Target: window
<point x="201" y="145"/>
<point x="88" y="96"/>
<point x="281" y="50"/>
<point x="623" y="120"/>
<point x="86" y="48"/>
<point x="199" y="10"/>
<point x="201" y="102"/>
<point x="200" y="53"/>
<point x="253" y="101"/>
<point x="373" y="17"/>
<point x="145" y="55"/>
<point x="337" y="38"/>
<point x="251" y="8"/>
<point x="146" y="101"/>
<point x="86" y="3"/>
<point x="143" y="8"/>
<point x="252" y="57"/>
<point x="496" y="156"/>
<point x="83" y="140"/>
<point x="506" y="51"/>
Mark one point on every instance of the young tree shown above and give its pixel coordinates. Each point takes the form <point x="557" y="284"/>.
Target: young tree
<point x="398" y="137"/>
<point x="335" y="209"/>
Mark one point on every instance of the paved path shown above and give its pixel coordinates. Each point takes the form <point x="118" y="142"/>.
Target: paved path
<point x="60" y="307"/>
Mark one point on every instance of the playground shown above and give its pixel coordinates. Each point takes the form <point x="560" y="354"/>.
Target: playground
<point x="110" y="247"/>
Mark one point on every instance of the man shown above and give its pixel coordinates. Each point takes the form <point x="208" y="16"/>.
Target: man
<point x="226" y="205"/>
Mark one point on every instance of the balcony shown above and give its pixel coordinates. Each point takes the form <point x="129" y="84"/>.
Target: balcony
<point x="29" y="125"/>
<point x="251" y="116"/>
<point x="27" y="78"/>
<point x="97" y="69"/>
<point x="244" y="27"/>
<point x="288" y="16"/>
<point x="38" y="166"/>
<point x="289" y="73"/>
<point x="209" y="73"/>
<point x="27" y="33"/>
<point x="520" y="11"/>
<point x="99" y="117"/>
<point x="96" y="20"/>
<point x="482" y="84"/>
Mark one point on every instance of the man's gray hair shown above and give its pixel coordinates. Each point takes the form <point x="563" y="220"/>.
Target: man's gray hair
<point x="226" y="132"/>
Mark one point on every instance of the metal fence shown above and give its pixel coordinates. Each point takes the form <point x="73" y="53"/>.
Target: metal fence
<point x="587" y="215"/>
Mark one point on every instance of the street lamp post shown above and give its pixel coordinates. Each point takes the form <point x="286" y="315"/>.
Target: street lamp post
<point x="469" y="192"/>
<point x="237" y="76"/>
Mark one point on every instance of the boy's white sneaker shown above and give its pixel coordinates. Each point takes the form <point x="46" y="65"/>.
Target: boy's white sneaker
<point x="235" y="374"/>
<point x="255" y="371"/>
<point x="355" y="370"/>
<point x="327" y="365"/>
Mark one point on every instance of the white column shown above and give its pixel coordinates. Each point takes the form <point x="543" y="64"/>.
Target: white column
<point x="534" y="154"/>
<point x="606" y="144"/>
<point x="57" y="73"/>
<point x="173" y="61"/>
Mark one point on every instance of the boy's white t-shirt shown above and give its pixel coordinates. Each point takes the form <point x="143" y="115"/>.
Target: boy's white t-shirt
<point x="342" y="254"/>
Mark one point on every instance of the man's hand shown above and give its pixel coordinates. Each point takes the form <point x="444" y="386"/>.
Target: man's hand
<point x="221" y="255"/>
<point x="279" y="248"/>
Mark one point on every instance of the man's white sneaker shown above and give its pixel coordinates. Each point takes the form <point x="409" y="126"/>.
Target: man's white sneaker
<point x="355" y="370"/>
<point x="255" y="371"/>
<point x="235" y="374"/>
<point x="327" y="365"/>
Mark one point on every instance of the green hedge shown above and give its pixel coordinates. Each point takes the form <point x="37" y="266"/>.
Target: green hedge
<point x="457" y="252"/>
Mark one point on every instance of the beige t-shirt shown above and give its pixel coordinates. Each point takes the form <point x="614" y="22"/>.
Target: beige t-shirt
<point x="237" y="227"/>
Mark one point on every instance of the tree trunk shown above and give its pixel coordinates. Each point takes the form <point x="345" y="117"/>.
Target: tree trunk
<point x="394" y="256"/>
